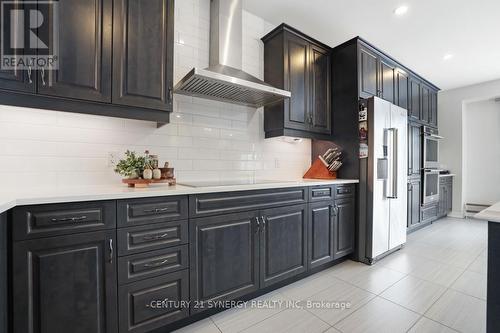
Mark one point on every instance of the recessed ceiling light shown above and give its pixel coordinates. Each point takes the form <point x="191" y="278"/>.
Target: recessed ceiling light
<point x="401" y="10"/>
<point x="447" y="56"/>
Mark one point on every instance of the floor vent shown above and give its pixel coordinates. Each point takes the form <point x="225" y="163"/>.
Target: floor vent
<point x="472" y="209"/>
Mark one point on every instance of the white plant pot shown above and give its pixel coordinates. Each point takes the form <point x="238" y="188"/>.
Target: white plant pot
<point x="147" y="174"/>
<point x="156" y="174"/>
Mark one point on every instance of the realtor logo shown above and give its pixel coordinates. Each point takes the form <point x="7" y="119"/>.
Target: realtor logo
<point x="29" y="35"/>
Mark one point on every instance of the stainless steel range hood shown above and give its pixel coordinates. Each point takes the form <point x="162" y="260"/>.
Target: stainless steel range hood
<point x="224" y="80"/>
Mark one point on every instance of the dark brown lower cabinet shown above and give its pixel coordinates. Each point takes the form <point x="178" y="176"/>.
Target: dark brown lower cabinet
<point x="321" y="233"/>
<point x="283" y="243"/>
<point x="65" y="283"/>
<point x="233" y="255"/>
<point x="153" y="303"/>
<point x="344" y="219"/>
<point x="445" y="196"/>
<point x="414" y="203"/>
<point x="224" y="261"/>
<point x="4" y="289"/>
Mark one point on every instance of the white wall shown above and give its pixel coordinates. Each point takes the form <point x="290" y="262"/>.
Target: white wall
<point x="205" y="140"/>
<point x="452" y="105"/>
<point x="482" y="152"/>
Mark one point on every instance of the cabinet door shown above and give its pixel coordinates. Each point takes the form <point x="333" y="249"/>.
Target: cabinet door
<point x="414" y="99"/>
<point x="283" y="244"/>
<point x="224" y="262"/>
<point x="402" y="89"/>
<point x="321" y="233"/>
<point x="426" y="104"/>
<point x="368" y="73"/>
<point x="449" y="197"/>
<point x="65" y="281"/>
<point x="433" y="115"/>
<point x="143" y="53"/>
<point x="442" y="200"/>
<point x="320" y="114"/>
<point x="414" y="149"/>
<point x="18" y="80"/>
<point x="387" y="72"/>
<point x="414" y="192"/>
<point x="84" y="52"/>
<point x="345" y="215"/>
<point x="297" y="79"/>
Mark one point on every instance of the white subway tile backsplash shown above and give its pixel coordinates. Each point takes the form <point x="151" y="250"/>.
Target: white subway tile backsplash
<point x="206" y="140"/>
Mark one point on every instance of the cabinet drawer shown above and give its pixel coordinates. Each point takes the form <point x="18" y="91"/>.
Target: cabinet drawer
<point x="152" y="237"/>
<point x="320" y="193"/>
<point x="445" y="180"/>
<point x="60" y="219"/>
<point x="151" y="210"/>
<point x="429" y="213"/>
<point x="153" y="303"/>
<point x="150" y="264"/>
<point x="231" y="202"/>
<point x="344" y="191"/>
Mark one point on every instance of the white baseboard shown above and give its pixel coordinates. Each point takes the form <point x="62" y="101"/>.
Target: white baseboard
<point x="456" y="214"/>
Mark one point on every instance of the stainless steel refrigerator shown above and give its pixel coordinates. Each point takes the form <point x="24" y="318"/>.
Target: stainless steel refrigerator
<point x="383" y="179"/>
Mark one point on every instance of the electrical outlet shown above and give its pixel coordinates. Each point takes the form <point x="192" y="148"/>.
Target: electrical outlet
<point x="276" y="163"/>
<point x="113" y="157"/>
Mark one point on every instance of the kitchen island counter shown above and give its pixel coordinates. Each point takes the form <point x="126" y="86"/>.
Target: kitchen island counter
<point x="492" y="215"/>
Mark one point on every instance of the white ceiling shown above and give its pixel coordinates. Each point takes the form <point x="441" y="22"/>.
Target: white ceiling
<point x="468" y="29"/>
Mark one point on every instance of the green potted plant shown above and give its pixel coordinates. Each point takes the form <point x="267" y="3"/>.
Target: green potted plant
<point x="132" y="166"/>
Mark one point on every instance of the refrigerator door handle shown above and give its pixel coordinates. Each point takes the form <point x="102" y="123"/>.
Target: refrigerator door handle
<point x="395" y="157"/>
<point x="391" y="188"/>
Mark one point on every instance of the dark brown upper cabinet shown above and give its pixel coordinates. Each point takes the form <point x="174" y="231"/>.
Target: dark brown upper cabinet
<point x="377" y="75"/>
<point x="320" y="90"/>
<point x="17" y="80"/>
<point x="115" y="58"/>
<point x="433" y="121"/>
<point x="425" y="107"/>
<point x="301" y="65"/>
<point x="368" y="73"/>
<point x="387" y="79"/>
<point x="414" y="149"/>
<point x="143" y="35"/>
<point x="84" y="38"/>
<point x="401" y="97"/>
<point x="415" y="99"/>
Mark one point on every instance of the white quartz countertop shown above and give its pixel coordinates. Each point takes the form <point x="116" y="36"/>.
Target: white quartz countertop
<point x="491" y="214"/>
<point x="447" y="175"/>
<point x="10" y="198"/>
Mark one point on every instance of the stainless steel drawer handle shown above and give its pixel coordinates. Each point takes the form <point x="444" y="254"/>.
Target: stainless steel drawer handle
<point x="155" y="237"/>
<point x="111" y="251"/>
<point x="43" y="76"/>
<point x="70" y="219"/>
<point x="29" y="75"/>
<point x="156" y="264"/>
<point x="156" y="210"/>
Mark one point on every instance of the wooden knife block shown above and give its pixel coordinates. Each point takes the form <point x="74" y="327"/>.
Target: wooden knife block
<point x="318" y="170"/>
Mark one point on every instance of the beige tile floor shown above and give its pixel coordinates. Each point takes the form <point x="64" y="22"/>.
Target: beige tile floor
<point x="436" y="283"/>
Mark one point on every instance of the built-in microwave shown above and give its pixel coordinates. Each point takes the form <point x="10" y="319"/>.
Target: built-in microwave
<point x="431" y="147"/>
